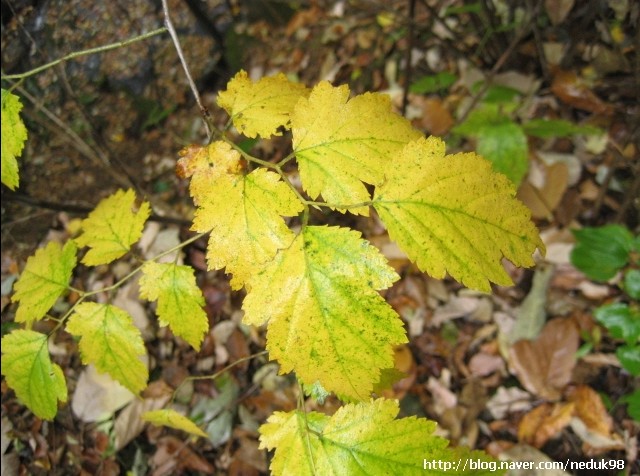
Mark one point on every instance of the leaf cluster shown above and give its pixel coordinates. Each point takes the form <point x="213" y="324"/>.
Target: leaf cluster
<point x="317" y="288"/>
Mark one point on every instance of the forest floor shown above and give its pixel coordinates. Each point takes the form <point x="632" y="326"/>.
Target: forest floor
<point x="476" y="74"/>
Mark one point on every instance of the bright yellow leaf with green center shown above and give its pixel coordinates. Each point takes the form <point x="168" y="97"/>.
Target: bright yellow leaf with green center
<point x="260" y="108"/>
<point x="361" y="439"/>
<point x="179" y="299"/>
<point x="454" y="214"/>
<point x="326" y="320"/>
<point x="44" y="279"/>
<point x="26" y="365"/>
<point x="206" y="163"/>
<point x="173" y="419"/>
<point x="14" y="135"/>
<point x="112" y="228"/>
<point x="244" y="214"/>
<point x="110" y="341"/>
<point x="341" y="143"/>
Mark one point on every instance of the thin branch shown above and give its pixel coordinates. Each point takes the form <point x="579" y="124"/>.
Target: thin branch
<point x="176" y="42"/>
<point x="78" y="209"/>
<point x="90" y="51"/>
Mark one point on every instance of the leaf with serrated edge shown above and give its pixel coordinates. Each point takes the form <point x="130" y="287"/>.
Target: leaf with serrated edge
<point x="361" y="439"/>
<point x="173" y="419"/>
<point x="14" y="135"/>
<point x="112" y="228"/>
<point x="325" y="318"/>
<point x="44" y="279"/>
<point x="341" y="143"/>
<point x="454" y="214"/>
<point x="244" y="214"/>
<point x="260" y="108"/>
<point x="26" y="365"/>
<point x="179" y="299"/>
<point x="110" y="341"/>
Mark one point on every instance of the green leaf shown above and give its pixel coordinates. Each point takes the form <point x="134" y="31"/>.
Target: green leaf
<point x="632" y="283"/>
<point x="179" y="299"/>
<point x="326" y="319"/>
<point x="244" y="214"/>
<point x="629" y="357"/>
<point x="110" y="341"/>
<point x="454" y="214"/>
<point x="601" y="252"/>
<point x="112" y="228"/>
<point x="546" y="128"/>
<point x="340" y="143"/>
<point x="499" y="94"/>
<point x="44" y="279"/>
<point x="633" y="404"/>
<point x="14" y="135"/>
<point x="499" y="140"/>
<point x="173" y="419"/>
<point x="433" y="83"/>
<point x="262" y="107"/>
<point x="26" y="365"/>
<point x="362" y="439"/>
<point x="622" y="321"/>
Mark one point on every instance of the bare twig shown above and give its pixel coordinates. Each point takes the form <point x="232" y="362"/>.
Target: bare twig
<point x="78" y="209"/>
<point x="90" y="51"/>
<point x="409" y="67"/>
<point x="176" y="42"/>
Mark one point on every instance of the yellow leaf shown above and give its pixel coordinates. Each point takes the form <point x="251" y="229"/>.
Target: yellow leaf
<point x="112" y="228"/>
<point x="14" y="135"/>
<point x="361" y="439"/>
<point x="262" y="107"/>
<point x="454" y="214"/>
<point x="44" y="279"/>
<point x="173" y="419"/>
<point x="326" y="319"/>
<point x="341" y="143"/>
<point x="110" y="341"/>
<point x="206" y="163"/>
<point x="244" y="214"/>
<point x="179" y="299"/>
<point x="26" y="365"/>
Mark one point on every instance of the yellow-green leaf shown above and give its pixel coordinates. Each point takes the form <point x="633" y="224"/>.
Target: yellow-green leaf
<point x="326" y="319"/>
<point x="44" y="279"/>
<point x="260" y="108"/>
<point x="341" y="143"/>
<point x="179" y="299"/>
<point x="454" y="214"/>
<point x="112" y="228"/>
<point x="110" y="341"/>
<point x="173" y="419"/>
<point x="14" y="135"/>
<point x="244" y="214"/>
<point x="361" y="439"/>
<point x="26" y="365"/>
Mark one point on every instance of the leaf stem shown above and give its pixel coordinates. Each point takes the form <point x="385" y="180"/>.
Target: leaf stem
<point x="76" y="54"/>
<point x="218" y="373"/>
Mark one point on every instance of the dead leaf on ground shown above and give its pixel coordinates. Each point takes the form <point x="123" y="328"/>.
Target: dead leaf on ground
<point x="172" y="456"/>
<point x="598" y="424"/>
<point x="528" y="453"/>
<point x="543" y="200"/>
<point x="507" y="401"/>
<point x="436" y="118"/>
<point x="544" y="365"/>
<point x="544" y="422"/>
<point x="571" y="89"/>
<point x="557" y="10"/>
<point x="98" y="396"/>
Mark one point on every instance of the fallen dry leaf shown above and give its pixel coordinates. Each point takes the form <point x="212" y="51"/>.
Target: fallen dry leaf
<point x="173" y="455"/>
<point x="544" y="365"/>
<point x="543" y="200"/>
<point x="571" y="89"/>
<point x="544" y="422"/>
<point x="436" y="118"/>
<point x="557" y="10"/>
<point x="508" y="400"/>
<point x="598" y="424"/>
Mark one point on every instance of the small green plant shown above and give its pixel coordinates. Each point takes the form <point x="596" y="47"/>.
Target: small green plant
<point x="316" y="288"/>
<point x="603" y="253"/>
<point x="502" y="140"/>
